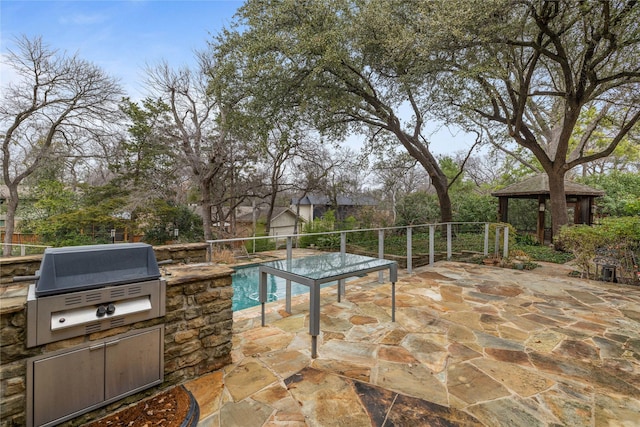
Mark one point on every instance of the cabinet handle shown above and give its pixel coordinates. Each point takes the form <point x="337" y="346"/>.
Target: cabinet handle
<point x="111" y="343"/>
<point x="96" y="347"/>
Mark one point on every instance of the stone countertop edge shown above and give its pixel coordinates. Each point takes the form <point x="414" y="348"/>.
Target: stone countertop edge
<point x="13" y="298"/>
<point x="189" y="273"/>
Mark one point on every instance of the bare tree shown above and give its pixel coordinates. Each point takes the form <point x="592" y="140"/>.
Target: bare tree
<point x="194" y="113"/>
<point x="279" y="148"/>
<point x="399" y="175"/>
<point x="59" y="103"/>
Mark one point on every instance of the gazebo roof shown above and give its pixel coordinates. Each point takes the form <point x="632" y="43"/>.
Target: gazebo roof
<point x="539" y="185"/>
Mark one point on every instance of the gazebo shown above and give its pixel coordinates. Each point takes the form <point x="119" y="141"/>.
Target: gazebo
<point x="579" y="197"/>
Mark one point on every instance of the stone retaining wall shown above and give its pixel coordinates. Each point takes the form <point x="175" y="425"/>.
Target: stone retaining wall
<point x="198" y="325"/>
<point x="187" y="253"/>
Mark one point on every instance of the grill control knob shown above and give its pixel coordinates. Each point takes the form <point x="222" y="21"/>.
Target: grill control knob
<point x="111" y="309"/>
<point x="102" y="310"/>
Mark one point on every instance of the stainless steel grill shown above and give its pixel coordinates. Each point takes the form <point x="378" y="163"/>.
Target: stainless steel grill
<point x="79" y="291"/>
<point x="85" y="289"/>
<point x="77" y="268"/>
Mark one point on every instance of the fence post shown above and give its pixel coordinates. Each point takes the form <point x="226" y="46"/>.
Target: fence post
<point x="448" y="241"/>
<point x="496" y="245"/>
<point x="409" y="249"/>
<point x="486" y="239"/>
<point x="505" y="252"/>
<point x="381" y="253"/>
<point x="343" y="242"/>
<point x="432" y="233"/>
<point x="288" y="281"/>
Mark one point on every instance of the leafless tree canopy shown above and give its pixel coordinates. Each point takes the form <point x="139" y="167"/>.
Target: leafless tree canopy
<point x="58" y="104"/>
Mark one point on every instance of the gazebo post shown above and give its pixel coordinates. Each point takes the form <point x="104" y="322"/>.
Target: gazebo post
<point x="540" y="225"/>
<point x="503" y="209"/>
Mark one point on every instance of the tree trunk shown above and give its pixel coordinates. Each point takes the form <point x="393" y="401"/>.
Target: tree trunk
<point x="12" y="207"/>
<point x="558" y="201"/>
<point x="295" y="225"/>
<point x="439" y="180"/>
<point x="205" y="190"/>
<point x="442" y="191"/>
<point x="394" y="211"/>
<point x="272" y="202"/>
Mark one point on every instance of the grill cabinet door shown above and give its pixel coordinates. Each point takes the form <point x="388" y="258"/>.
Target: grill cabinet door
<point x="133" y="363"/>
<point x="68" y="383"/>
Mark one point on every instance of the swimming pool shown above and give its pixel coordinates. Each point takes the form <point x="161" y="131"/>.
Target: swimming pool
<point x="245" y="282"/>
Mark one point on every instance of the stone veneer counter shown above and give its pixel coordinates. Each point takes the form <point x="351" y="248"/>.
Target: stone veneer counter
<point x="197" y="340"/>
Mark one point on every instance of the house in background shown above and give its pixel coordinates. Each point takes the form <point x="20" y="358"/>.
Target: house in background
<point x="314" y="206"/>
<point x="283" y="220"/>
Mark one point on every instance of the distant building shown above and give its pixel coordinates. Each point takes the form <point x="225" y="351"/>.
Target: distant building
<point x="283" y="221"/>
<point x="314" y="206"/>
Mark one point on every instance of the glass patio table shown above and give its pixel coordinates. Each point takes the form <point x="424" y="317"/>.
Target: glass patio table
<point x="313" y="271"/>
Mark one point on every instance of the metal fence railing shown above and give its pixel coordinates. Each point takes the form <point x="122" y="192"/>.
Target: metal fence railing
<point x="424" y="242"/>
<point x="22" y="249"/>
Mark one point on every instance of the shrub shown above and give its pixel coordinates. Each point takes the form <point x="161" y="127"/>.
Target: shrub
<point x="223" y="256"/>
<point x="472" y="207"/>
<point x="538" y="252"/>
<point x="417" y="208"/>
<point x="492" y="235"/>
<point x="582" y="241"/>
<point x="318" y="225"/>
<point x="526" y="239"/>
<point x="622" y="192"/>
<point x="618" y="235"/>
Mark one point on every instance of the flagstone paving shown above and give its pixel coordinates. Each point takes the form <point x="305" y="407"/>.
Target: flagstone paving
<point x="471" y="345"/>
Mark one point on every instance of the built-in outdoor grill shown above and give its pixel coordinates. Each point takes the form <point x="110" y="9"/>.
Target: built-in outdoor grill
<point x="84" y="289"/>
<point x="79" y="291"/>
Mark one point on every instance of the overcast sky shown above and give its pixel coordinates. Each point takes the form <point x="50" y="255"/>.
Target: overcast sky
<point x="123" y="36"/>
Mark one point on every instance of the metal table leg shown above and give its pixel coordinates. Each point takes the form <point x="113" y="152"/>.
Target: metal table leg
<point x="341" y="289"/>
<point x="263" y="293"/>
<point x="314" y="318"/>
<point x="393" y="277"/>
<point x="393" y="301"/>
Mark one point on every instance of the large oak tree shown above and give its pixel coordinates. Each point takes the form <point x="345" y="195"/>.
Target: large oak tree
<point x="554" y="75"/>
<point x="345" y="66"/>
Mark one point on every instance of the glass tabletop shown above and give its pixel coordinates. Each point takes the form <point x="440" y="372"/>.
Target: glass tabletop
<point x="317" y="267"/>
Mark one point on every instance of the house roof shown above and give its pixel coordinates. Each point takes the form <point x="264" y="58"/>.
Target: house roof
<point x="314" y="199"/>
<point x="261" y="213"/>
<point x="539" y="185"/>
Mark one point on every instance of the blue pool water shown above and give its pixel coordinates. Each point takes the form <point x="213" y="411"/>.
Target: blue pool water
<point x="246" y="281"/>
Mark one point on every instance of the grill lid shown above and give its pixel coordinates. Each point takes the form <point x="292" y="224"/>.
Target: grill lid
<point x="77" y="268"/>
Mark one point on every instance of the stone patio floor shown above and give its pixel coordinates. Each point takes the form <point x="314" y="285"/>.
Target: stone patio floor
<point x="471" y="345"/>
